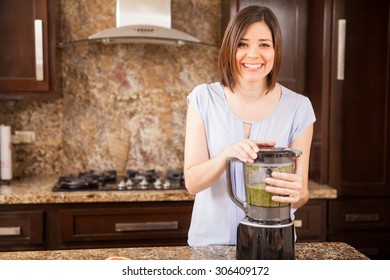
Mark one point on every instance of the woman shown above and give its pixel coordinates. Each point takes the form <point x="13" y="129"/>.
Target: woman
<point x="233" y="117"/>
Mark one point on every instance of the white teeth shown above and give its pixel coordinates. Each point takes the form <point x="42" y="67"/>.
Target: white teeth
<point x="253" y="66"/>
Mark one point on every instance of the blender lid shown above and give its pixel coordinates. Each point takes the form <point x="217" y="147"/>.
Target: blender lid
<point x="276" y="152"/>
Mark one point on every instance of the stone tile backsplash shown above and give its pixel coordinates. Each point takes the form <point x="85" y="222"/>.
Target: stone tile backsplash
<point x="122" y="106"/>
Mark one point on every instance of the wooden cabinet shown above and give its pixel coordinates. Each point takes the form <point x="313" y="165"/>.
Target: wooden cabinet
<point x="292" y="17"/>
<point x="94" y="225"/>
<point x="21" y="229"/>
<point x="310" y="221"/>
<point x="364" y="224"/>
<point x="100" y="225"/>
<point x="349" y="83"/>
<point x="358" y="213"/>
<point x="109" y="225"/>
<point x="351" y="151"/>
<point x="27" y="49"/>
<point x="359" y="111"/>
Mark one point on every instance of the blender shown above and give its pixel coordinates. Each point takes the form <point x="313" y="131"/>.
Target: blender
<point x="267" y="231"/>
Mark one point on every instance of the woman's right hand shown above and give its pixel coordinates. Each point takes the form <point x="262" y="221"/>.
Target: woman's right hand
<point x="246" y="150"/>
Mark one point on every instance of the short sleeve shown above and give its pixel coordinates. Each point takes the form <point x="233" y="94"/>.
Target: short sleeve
<point x="304" y="117"/>
<point x="199" y="98"/>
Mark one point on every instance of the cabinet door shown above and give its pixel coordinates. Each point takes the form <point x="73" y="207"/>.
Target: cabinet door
<point x="359" y="110"/>
<point x="310" y="221"/>
<point x="27" y="56"/>
<point x="21" y="230"/>
<point x="364" y="224"/>
<point x="118" y="225"/>
<point x="359" y="214"/>
<point x="374" y="244"/>
<point x="292" y="17"/>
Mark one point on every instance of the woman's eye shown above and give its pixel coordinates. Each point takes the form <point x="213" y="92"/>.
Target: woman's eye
<point x="265" y="45"/>
<point x="242" y="45"/>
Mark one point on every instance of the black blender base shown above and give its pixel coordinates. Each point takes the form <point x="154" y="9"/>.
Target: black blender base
<point x="261" y="243"/>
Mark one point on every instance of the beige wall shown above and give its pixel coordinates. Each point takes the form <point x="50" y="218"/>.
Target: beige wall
<point x="122" y="106"/>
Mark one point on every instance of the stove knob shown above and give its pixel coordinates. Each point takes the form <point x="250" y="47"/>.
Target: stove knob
<point x="129" y="183"/>
<point x="157" y="184"/>
<point x="143" y="184"/>
<point x="166" y="185"/>
<point x="122" y="185"/>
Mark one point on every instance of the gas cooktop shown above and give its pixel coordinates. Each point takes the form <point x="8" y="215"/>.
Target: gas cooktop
<point x="109" y="181"/>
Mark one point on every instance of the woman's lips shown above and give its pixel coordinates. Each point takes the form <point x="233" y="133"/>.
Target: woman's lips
<point x="252" y="66"/>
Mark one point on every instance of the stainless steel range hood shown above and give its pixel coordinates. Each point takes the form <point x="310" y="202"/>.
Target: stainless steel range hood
<point x="143" y="21"/>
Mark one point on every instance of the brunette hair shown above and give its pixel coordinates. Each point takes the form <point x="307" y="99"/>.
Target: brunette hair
<point x="233" y="34"/>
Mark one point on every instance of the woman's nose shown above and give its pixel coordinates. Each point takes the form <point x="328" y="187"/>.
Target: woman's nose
<point x="252" y="54"/>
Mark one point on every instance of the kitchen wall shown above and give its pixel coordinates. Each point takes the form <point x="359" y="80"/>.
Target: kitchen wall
<point x="121" y="106"/>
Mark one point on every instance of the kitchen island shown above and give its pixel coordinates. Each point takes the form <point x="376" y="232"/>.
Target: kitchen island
<point x="303" y="251"/>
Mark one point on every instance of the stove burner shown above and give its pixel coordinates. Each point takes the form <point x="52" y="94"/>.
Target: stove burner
<point x="70" y="182"/>
<point x="87" y="180"/>
<point x="108" y="181"/>
<point x="150" y="176"/>
<point x="102" y="177"/>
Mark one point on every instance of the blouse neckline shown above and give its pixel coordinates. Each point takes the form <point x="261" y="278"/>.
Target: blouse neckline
<point x="253" y="122"/>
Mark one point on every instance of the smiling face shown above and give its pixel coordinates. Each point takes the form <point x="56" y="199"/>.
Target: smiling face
<point x="245" y="31"/>
<point x="255" y="54"/>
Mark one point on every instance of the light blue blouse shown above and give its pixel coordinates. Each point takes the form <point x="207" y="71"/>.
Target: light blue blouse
<point x="215" y="217"/>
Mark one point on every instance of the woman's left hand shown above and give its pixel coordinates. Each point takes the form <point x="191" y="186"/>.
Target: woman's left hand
<point x="288" y="188"/>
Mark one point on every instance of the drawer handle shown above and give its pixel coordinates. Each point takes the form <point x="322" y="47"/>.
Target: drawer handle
<point x="146" y="226"/>
<point x="38" y="49"/>
<point x="10" y="231"/>
<point x="298" y="223"/>
<point x="341" y="49"/>
<point x="362" y="217"/>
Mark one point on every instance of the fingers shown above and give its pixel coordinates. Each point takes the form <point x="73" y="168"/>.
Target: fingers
<point x="287" y="187"/>
<point x="265" y="143"/>
<point x="284" y="195"/>
<point x="290" y="197"/>
<point x="280" y="178"/>
<point x="245" y="150"/>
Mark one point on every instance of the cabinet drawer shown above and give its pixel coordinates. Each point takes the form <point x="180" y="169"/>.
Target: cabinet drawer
<point x="373" y="244"/>
<point x="21" y="227"/>
<point x="358" y="214"/>
<point x="140" y="225"/>
<point x="310" y="221"/>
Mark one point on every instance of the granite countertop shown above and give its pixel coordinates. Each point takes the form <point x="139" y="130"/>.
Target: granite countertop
<point x="38" y="189"/>
<point x="303" y="251"/>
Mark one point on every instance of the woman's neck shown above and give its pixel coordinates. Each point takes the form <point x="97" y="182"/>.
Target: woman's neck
<point x="253" y="91"/>
<point x="250" y="93"/>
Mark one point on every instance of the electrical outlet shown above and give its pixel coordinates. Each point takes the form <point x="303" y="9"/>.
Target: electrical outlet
<point x="25" y="137"/>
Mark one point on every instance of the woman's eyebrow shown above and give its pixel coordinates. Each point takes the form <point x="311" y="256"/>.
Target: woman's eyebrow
<point x="261" y="40"/>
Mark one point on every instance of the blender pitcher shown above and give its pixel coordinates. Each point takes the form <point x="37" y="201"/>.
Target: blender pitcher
<point x="258" y="204"/>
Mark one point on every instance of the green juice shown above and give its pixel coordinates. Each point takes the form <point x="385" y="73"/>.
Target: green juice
<point x="255" y="176"/>
<point x="258" y="196"/>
